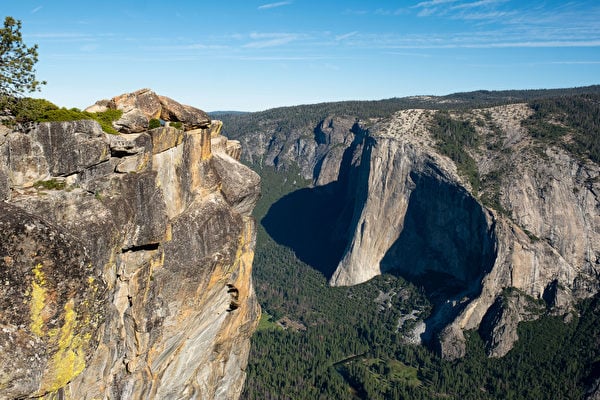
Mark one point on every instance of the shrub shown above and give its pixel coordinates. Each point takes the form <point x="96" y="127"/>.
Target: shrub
<point x="104" y="118"/>
<point x="154" y="123"/>
<point x="26" y="109"/>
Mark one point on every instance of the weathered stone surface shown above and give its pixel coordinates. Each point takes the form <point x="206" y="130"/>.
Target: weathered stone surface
<point x="239" y="184"/>
<point x="164" y="237"/>
<point x="165" y="138"/>
<point x="499" y="325"/>
<point x="53" y="149"/>
<point x="52" y="302"/>
<point x="234" y="149"/>
<point x="100" y="106"/>
<point x="129" y="144"/>
<point x="130" y="164"/>
<point x="138" y="109"/>
<point x="132" y="121"/>
<point x="4" y="185"/>
<point x="144" y="100"/>
<point x="141" y="106"/>
<point x="192" y="117"/>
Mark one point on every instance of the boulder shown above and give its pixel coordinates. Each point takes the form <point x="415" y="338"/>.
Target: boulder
<point x="239" y="184"/>
<point x="193" y="118"/>
<point x="141" y="106"/>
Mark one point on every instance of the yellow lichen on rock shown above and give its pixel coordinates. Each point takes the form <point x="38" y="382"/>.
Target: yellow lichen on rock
<point x="38" y="300"/>
<point x="69" y="360"/>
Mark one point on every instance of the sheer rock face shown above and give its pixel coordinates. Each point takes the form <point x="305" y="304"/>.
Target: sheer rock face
<point x="130" y="267"/>
<point x="420" y="217"/>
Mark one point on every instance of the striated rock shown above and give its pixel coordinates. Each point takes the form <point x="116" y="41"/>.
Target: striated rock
<point x="239" y="185"/>
<point x="53" y="149"/>
<point x="134" y="262"/>
<point x="165" y="138"/>
<point x="498" y="326"/>
<point x="4" y="185"/>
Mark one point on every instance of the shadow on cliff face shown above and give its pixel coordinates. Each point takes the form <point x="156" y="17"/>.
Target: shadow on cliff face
<point x="303" y="221"/>
<point x="314" y="221"/>
<point x="446" y="247"/>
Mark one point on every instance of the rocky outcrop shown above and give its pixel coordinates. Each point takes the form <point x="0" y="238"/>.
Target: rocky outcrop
<point x="125" y="260"/>
<point x="143" y="105"/>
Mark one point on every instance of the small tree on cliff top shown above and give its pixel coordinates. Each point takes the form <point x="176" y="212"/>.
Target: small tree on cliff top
<point x="17" y="74"/>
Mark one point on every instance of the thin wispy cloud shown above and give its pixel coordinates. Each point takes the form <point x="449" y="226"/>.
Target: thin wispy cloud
<point x="264" y="40"/>
<point x="433" y="3"/>
<point x="458" y="9"/>
<point x="89" y="48"/>
<point x="346" y="36"/>
<point x="185" y="47"/>
<point x="398" y="11"/>
<point x="475" y="4"/>
<point x="576" y="62"/>
<point x="499" y="38"/>
<point x="499" y="45"/>
<point x="60" y="35"/>
<point x="355" y="12"/>
<point x="407" y="54"/>
<point x="280" y="58"/>
<point x="268" y="6"/>
<point x="493" y="15"/>
<point x="38" y="8"/>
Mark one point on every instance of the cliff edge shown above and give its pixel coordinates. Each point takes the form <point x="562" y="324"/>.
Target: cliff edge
<point x="125" y="260"/>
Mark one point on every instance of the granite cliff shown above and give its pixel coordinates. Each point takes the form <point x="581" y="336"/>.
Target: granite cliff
<point x="125" y="260"/>
<point x="541" y="237"/>
<point x="505" y="231"/>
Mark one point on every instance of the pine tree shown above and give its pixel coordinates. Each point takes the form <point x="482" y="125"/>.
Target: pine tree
<point x="17" y="73"/>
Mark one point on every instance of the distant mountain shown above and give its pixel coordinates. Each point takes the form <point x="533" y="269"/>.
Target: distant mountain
<point x="217" y="114"/>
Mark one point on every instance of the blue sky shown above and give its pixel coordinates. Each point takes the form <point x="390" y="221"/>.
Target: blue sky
<point x="253" y="55"/>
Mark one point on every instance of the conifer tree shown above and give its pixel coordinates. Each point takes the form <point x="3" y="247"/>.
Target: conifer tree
<point x="17" y="61"/>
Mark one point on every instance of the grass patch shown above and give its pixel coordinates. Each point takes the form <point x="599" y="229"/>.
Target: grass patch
<point x="266" y="323"/>
<point x="51" y="184"/>
<point x="402" y="373"/>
